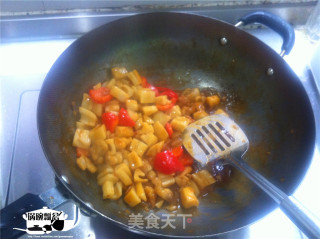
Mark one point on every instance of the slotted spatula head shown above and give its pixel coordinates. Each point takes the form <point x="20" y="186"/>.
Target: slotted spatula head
<point x="214" y="137"/>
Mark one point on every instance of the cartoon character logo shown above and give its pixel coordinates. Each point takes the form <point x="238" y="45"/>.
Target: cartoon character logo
<point x="44" y="221"/>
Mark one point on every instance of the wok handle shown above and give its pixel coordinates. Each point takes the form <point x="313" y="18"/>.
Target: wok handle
<point x="291" y="208"/>
<point x="11" y="215"/>
<point x="274" y="22"/>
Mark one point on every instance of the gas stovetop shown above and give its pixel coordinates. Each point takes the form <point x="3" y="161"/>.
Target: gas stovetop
<point x="24" y="168"/>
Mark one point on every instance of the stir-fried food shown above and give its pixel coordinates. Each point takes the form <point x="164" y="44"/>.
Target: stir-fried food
<point x="129" y="135"/>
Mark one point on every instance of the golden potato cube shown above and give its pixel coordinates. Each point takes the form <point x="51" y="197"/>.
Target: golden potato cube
<point x="107" y="189"/>
<point x="138" y="146"/>
<point x="111" y="146"/>
<point x="87" y="117"/>
<point x="86" y="102"/>
<point x="140" y="192"/>
<point x="82" y="139"/>
<point x="213" y="101"/>
<point x="110" y="84"/>
<point x="117" y="191"/>
<point x="123" y="172"/>
<point x="137" y="176"/>
<point x="162" y="100"/>
<point x="145" y="129"/>
<point x="147" y="119"/>
<point x="149" y="139"/>
<point x="119" y="94"/>
<point x="160" y="131"/>
<point x="200" y="114"/>
<point x="161" y="117"/>
<point x="122" y="142"/>
<point x="90" y="166"/>
<point x="149" y="110"/>
<point x="175" y="111"/>
<point x="81" y="162"/>
<point x="133" y="115"/>
<point x="107" y="177"/>
<point x="99" y="132"/>
<point x="119" y="72"/>
<point x="188" y="198"/>
<point x="124" y="131"/>
<point x="97" y="109"/>
<point x="154" y="149"/>
<point x="147" y="96"/>
<point x="134" y="77"/>
<point x="132" y="105"/>
<point x="195" y="187"/>
<point x="180" y="123"/>
<point x="112" y="106"/>
<point x="203" y="178"/>
<point x="131" y="197"/>
<point x="113" y="158"/>
<point x="134" y="160"/>
<point x="159" y="203"/>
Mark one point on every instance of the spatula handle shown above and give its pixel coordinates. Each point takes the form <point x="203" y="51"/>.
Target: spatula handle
<point x="296" y="212"/>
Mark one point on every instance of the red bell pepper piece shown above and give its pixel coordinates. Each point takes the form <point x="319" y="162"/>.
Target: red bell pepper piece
<point x="110" y="120"/>
<point x="82" y="152"/>
<point x="165" y="162"/>
<point x="173" y="97"/>
<point x="100" y="95"/>
<point x="177" y="151"/>
<point x="186" y="159"/>
<point x="169" y="129"/>
<point x="124" y="118"/>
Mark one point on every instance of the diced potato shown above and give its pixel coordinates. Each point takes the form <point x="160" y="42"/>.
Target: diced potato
<point x="114" y="158"/>
<point x="119" y="94"/>
<point x="117" y="191"/>
<point x="82" y="139"/>
<point x="180" y="123"/>
<point x="161" y="117"/>
<point x="138" y="146"/>
<point x="87" y="117"/>
<point x="160" y="131"/>
<point x="127" y="89"/>
<point x="119" y="72"/>
<point x="188" y="198"/>
<point x="99" y="132"/>
<point x="137" y="176"/>
<point x="81" y="125"/>
<point x="131" y="197"/>
<point x="175" y="111"/>
<point x="97" y="109"/>
<point x="133" y="115"/>
<point x="213" y="101"/>
<point x="111" y="146"/>
<point x="107" y="189"/>
<point x="159" y="203"/>
<point x="134" y="160"/>
<point x="90" y="166"/>
<point x="134" y="77"/>
<point x="199" y="114"/>
<point x="149" y="139"/>
<point x="112" y="106"/>
<point x="140" y="192"/>
<point x="122" y="142"/>
<point x="123" y="172"/>
<point x="151" y="195"/>
<point x="149" y="110"/>
<point x="107" y="177"/>
<point x="124" y="131"/>
<point x="203" y="178"/>
<point x="138" y="124"/>
<point x="162" y="100"/>
<point x="164" y="193"/>
<point x="168" y="181"/>
<point x="111" y="83"/>
<point x="194" y="187"/>
<point x="86" y="102"/>
<point x="147" y="96"/>
<point x="221" y="112"/>
<point x="145" y="129"/>
<point x="147" y="119"/>
<point x="154" y="149"/>
<point x="132" y="105"/>
<point x="81" y="162"/>
<point x="98" y="150"/>
<point x="194" y="93"/>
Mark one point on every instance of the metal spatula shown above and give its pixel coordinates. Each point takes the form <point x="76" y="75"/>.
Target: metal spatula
<point x="218" y="137"/>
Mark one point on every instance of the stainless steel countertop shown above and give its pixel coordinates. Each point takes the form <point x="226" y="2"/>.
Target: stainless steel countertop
<point x="24" y="63"/>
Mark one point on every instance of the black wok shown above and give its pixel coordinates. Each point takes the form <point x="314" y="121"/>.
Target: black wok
<point x="178" y="51"/>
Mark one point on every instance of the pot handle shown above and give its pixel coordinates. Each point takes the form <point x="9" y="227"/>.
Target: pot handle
<point x="11" y="215"/>
<point x="274" y="22"/>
